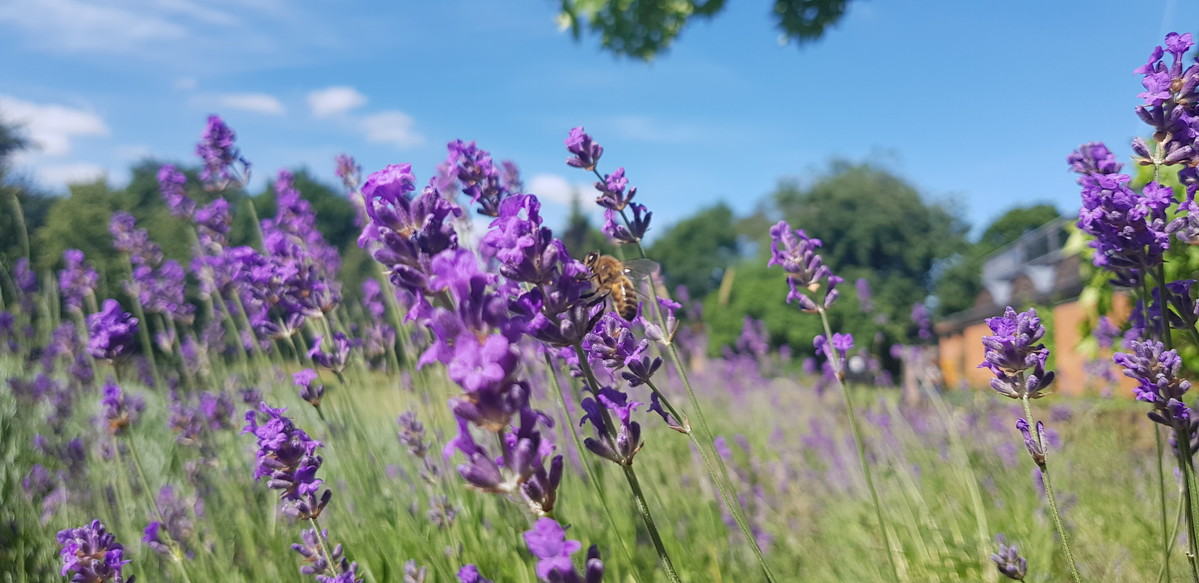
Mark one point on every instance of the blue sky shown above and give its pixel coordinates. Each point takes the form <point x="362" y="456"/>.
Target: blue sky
<point x="972" y="102"/>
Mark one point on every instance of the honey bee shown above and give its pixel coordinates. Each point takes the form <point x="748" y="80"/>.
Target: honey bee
<point x="614" y="279"/>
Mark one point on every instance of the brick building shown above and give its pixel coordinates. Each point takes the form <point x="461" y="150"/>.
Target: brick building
<point x="1033" y="271"/>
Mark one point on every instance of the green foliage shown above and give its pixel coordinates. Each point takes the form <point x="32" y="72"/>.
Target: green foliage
<point x="80" y="221"/>
<point x="873" y="225"/>
<point x="870" y="218"/>
<point x="696" y="251"/>
<point x="642" y="29"/>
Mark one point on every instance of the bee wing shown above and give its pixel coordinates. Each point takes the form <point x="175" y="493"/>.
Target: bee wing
<point x="640" y="269"/>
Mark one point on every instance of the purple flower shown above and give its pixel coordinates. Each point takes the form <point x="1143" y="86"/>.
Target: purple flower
<point x="1093" y="158"/>
<point x="313" y="548"/>
<point x="76" y="280"/>
<point x="520" y="470"/>
<point x="304" y="380"/>
<point x="627" y="231"/>
<point x="221" y="155"/>
<point x="405" y="233"/>
<point x="111" y="332"/>
<point x="487" y="372"/>
<point x="478" y="176"/>
<point x="1034" y="444"/>
<point x="412" y="434"/>
<point x="1156" y="371"/>
<point x="616" y="444"/>
<point x="796" y="253"/>
<point x="349" y="171"/>
<point x="585" y="153"/>
<point x="287" y="455"/>
<point x="334" y="360"/>
<point x="470" y="574"/>
<point x="864" y="299"/>
<point x="1012" y="349"/>
<point x="92" y="554"/>
<point x="526" y="249"/>
<point x="127" y="238"/>
<point x="1129" y="230"/>
<point x="120" y="411"/>
<point x="178" y="526"/>
<point x="414" y="573"/>
<point x="842" y="344"/>
<point x="612" y="191"/>
<point x="1009" y="562"/>
<point x="547" y="541"/>
<point x="173" y="185"/>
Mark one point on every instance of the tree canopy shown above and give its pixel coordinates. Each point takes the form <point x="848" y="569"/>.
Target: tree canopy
<point x="695" y="251"/>
<point x="642" y="29"/>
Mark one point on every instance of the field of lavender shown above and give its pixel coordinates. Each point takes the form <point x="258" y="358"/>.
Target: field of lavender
<point x="479" y="412"/>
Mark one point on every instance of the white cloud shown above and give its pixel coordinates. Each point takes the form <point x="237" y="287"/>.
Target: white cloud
<point x="552" y="188"/>
<point x="50" y="126"/>
<point x="186" y="83"/>
<point x="255" y="102"/>
<point x="391" y="127"/>
<point x="59" y="175"/>
<point x="335" y="100"/>
<point x="77" y="26"/>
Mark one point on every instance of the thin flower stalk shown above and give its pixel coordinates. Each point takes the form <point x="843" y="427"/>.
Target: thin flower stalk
<point x="631" y="477"/>
<point x="592" y="474"/>
<point x="613" y="198"/>
<point x="860" y="444"/>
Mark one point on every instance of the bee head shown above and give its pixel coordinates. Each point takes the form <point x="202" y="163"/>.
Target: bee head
<point x="590" y="259"/>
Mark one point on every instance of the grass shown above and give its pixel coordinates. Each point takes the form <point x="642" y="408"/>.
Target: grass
<point x="788" y="448"/>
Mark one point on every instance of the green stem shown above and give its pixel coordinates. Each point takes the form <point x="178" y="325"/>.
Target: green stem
<point x="963" y="461"/>
<point x="1161" y="487"/>
<point x="592" y="475"/>
<point x="176" y="551"/>
<point x="861" y="445"/>
<point x="705" y="442"/>
<point x="1049" y="495"/>
<point x="631" y="476"/>
<point x="643" y="508"/>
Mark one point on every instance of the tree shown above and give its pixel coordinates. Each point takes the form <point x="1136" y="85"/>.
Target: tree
<point x="80" y="221"/>
<point x="643" y="28"/>
<point x="695" y="251"/>
<point x="874" y="220"/>
<point x="959" y="280"/>
<point x="873" y="225"/>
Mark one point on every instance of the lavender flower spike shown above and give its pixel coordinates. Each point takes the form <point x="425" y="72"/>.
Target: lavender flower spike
<point x="586" y="153"/>
<point x="93" y="554"/>
<point x="287" y="456"/>
<point x="220" y="156"/>
<point x="1009" y="562"/>
<point x="1012" y="349"/>
<point x="1156" y="371"/>
<point x="112" y="332"/>
<point x="795" y="252"/>
<point x="547" y="541"/>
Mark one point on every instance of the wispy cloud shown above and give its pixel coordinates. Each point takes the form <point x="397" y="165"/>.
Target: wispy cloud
<point x="334" y="100"/>
<point x="77" y="25"/>
<point x="255" y="102"/>
<point x="554" y="188"/>
<point x="50" y="126"/>
<point x="59" y="175"/>
<point x="391" y="127"/>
